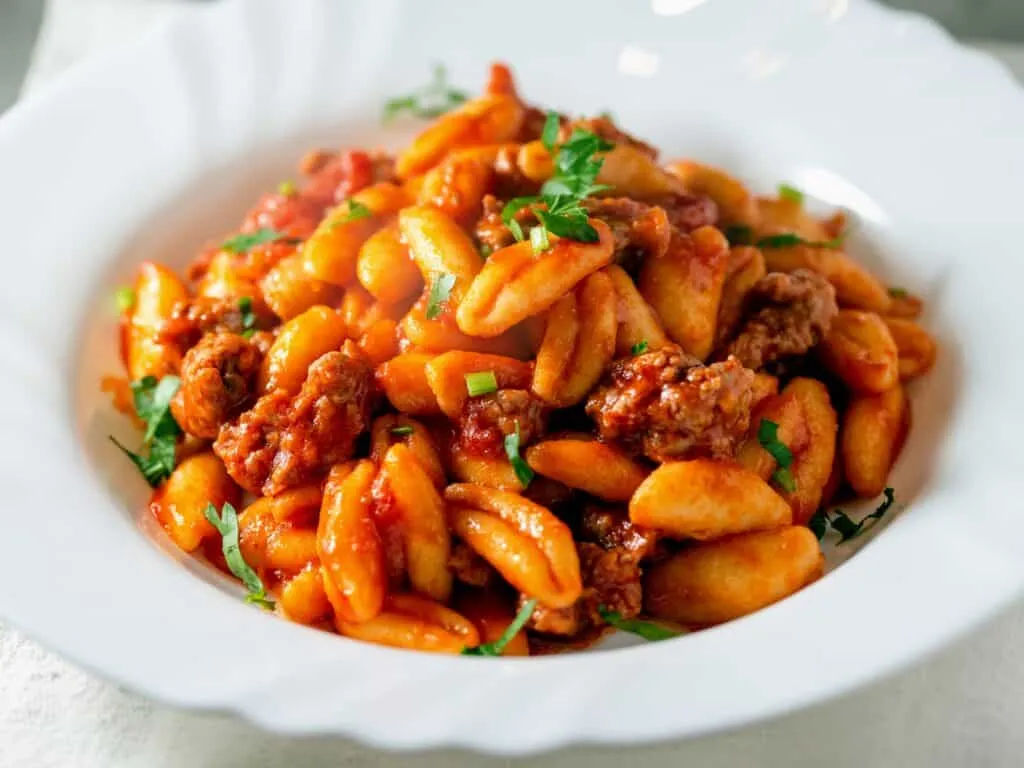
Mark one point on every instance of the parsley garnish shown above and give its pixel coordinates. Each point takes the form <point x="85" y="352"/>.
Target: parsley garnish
<point x="356" y="211"/>
<point x="153" y="405"/>
<point x="248" y="317"/>
<point x="125" y="299"/>
<point x="844" y="526"/>
<point x="576" y="170"/>
<point x="739" y="234"/>
<point x="287" y="188"/>
<point x="789" y="239"/>
<point x="549" y="135"/>
<point x="768" y="437"/>
<point x="539" y="239"/>
<point x="439" y="293"/>
<point x="246" y="241"/>
<point x="523" y="472"/>
<point x="481" y="383"/>
<point x="898" y="293"/>
<point x="485" y="251"/>
<point x="402" y="431"/>
<point x="645" y="629"/>
<point x="431" y="101"/>
<point x="498" y="646"/>
<point x="639" y="348"/>
<point x="226" y="524"/>
<point x="789" y="192"/>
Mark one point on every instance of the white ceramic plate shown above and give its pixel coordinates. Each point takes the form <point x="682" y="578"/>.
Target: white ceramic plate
<point x="151" y="151"/>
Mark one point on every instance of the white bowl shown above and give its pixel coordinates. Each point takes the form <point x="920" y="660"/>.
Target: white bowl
<point x="147" y="153"/>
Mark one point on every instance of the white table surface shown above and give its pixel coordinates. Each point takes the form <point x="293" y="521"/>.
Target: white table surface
<point x="963" y="707"/>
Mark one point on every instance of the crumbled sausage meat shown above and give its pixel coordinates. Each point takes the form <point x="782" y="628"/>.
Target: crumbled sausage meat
<point x="612" y="529"/>
<point x="785" y="315"/>
<point x="218" y="379"/>
<point x="283" y="441"/>
<point x="487" y="419"/>
<point x="611" y="579"/>
<point x="190" y="320"/>
<point x="666" y="405"/>
<point x="468" y="567"/>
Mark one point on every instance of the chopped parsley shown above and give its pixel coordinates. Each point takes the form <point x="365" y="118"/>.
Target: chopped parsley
<point x="539" y="239"/>
<point x="497" y="648"/>
<point x="125" y="299"/>
<point x="791" y="193"/>
<point x="226" y="524"/>
<point x="639" y="348"/>
<point x="355" y="211"/>
<point x="523" y="472"/>
<point x="481" y="383"/>
<point x="549" y="135"/>
<point x="898" y="293"/>
<point x="576" y="170"/>
<point x="768" y="437"/>
<point x="402" y="431"/>
<point x="439" y="293"/>
<point x="152" y="401"/>
<point x="433" y="100"/>
<point x="645" y="629"/>
<point x="248" y="317"/>
<point x="789" y="239"/>
<point x="739" y="234"/>
<point x="246" y="241"/>
<point x="287" y="188"/>
<point x="844" y="526"/>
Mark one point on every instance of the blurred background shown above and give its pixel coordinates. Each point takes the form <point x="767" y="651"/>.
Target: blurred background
<point x="66" y="28"/>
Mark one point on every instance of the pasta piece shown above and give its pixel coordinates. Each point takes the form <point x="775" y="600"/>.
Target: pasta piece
<point x="415" y="623"/>
<point x="385" y="268"/>
<point x="303" y="599"/>
<point x="861" y="351"/>
<point x="289" y="291"/>
<point x="404" y="381"/>
<point x="638" y="323"/>
<point x="391" y="429"/>
<point x="588" y="465"/>
<point x="630" y="172"/>
<point x="180" y="503"/>
<point x="530" y="547"/>
<point x="157" y="292"/>
<point x="579" y="342"/>
<point x="855" y="286"/>
<point x="442" y="334"/>
<point x="439" y="247"/>
<point x="723" y="580"/>
<point x="904" y="305"/>
<point x="706" y="499"/>
<point x="735" y="203"/>
<point x="486" y="120"/>
<point x="299" y="343"/>
<point x="331" y="252"/>
<point x="917" y="349"/>
<point x="684" y="286"/>
<point x="446" y="376"/>
<point x="457" y="185"/>
<point x="873" y="430"/>
<point x="746" y="267"/>
<point x="223" y="280"/>
<point x="349" y="546"/>
<point x="812" y="464"/>
<point x="490" y="471"/>
<point x="515" y="283"/>
<point x="423" y="527"/>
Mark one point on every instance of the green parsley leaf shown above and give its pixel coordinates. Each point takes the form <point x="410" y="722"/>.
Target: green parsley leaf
<point x="739" y="234"/>
<point x="549" y="135"/>
<point x="639" y="348"/>
<point x="402" y="430"/>
<point x="645" y="629"/>
<point x="485" y="251"/>
<point x="788" y="239"/>
<point x="847" y="529"/>
<point x="539" y="240"/>
<point x="768" y="437"/>
<point x="226" y="524"/>
<point x="432" y="100"/>
<point x="497" y="648"/>
<point x="356" y="211"/>
<point x="818" y="523"/>
<point x="152" y="400"/>
<point x="512" y="207"/>
<point x="439" y="293"/>
<point x="125" y="299"/>
<point x="523" y="472"/>
<point x="287" y="188"/>
<point x="481" y="383"/>
<point x="246" y="241"/>
<point x="248" y="317"/>
<point x="789" y="192"/>
<point x="898" y="293"/>
<point x="573" y="225"/>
